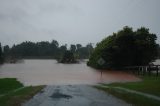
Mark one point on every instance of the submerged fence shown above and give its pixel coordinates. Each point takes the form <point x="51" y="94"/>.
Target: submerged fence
<point x="142" y="70"/>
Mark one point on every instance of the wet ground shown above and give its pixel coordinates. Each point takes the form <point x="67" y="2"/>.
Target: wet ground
<point x="73" y="95"/>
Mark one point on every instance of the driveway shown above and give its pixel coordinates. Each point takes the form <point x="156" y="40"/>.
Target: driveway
<point x="73" y="95"/>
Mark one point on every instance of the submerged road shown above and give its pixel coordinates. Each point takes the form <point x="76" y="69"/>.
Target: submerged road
<point x="73" y="95"/>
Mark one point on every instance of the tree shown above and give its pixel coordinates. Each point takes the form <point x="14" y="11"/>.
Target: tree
<point x="125" y="48"/>
<point x="89" y="48"/>
<point x="54" y="48"/>
<point x="68" y="57"/>
<point x="6" y="50"/>
<point x="78" y="46"/>
<point x="146" y="47"/>
<point x="73" y="48"/>
<point x="1" y="54"/>
<point x="63" y="48"/>
<point x="0" y="50"/>
<point x="55" y="43"/>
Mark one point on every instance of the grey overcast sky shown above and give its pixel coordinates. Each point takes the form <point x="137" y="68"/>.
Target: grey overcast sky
<point x="74" y="21"/>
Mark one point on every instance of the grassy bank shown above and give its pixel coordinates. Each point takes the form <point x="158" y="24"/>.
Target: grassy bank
<point x="9" y="84"/>
<point x="149" y="85"/>
<point x="13" y="93"/>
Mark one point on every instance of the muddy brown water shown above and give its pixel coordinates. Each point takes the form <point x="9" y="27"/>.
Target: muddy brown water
<point x="49" y="72"/>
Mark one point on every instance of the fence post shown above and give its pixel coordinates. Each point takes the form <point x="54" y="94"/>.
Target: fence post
<point x="149" y="70"/>
<point x="157" y="70"/>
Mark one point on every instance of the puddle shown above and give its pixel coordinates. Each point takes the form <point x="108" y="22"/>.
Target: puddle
<point x="58" y="95"/>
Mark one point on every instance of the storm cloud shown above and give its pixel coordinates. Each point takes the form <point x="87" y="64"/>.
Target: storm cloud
<point x="74" y="21"/>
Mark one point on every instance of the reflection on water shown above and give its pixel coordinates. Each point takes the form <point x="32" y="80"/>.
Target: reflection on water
<point x="49" y="72"/>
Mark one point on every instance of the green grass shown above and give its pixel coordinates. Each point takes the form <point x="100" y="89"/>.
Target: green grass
<point x="149" y="84"/>
<point x="16" y="98"/>
<point x="131" y="98"/>
<point x="9" y="84"/>
<point x="19" y="97"/>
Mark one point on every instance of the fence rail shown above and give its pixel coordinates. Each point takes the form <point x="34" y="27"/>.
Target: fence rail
<point x="142" y="70"/>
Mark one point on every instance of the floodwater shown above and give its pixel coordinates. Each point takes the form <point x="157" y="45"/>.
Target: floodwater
<point x="49" y="72"/>
<point x="156" y="62"/>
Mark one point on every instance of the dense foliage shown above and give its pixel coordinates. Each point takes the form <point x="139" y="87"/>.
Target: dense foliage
<point x="68" y="57"/>
<point x="125" y="48"/>
<point x="45" y="49"/>
<point x="1" y="54"/>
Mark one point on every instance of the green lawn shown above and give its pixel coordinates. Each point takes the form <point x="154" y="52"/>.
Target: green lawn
<point x="16" y="98"/>
<point x="9" y="84"/>
<point x="149" y="84"/>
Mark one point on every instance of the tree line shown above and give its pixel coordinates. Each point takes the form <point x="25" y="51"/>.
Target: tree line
<point x="125" y="48"/>
<point x="44" y="49"/>
<point x="122" y="49"/>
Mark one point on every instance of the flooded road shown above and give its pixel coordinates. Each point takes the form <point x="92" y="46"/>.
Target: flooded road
<point x="49" y="72"/>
